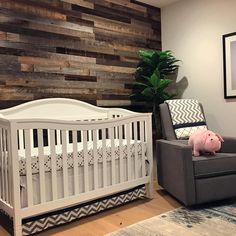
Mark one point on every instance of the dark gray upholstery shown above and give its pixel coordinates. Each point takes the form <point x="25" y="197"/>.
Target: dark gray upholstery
<point x="194" y="180"/>
<point x="212" y="166"/>
<point x="166" y="123"/>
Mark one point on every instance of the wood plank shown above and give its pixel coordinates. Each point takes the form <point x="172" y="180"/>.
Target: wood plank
<point x="57" y="30"/>
<point x="80" y="78"/>
<point x="35" y="49"/>
<point x="81" y="3"/>
<point x="18" y="28"/>
<point x="134" y="29"/>
<point x="10" y="15"/>
<point x="115" y="37"/>
<point x="109" y="64"/>
<point x="124" y="12"/>
<point x="75" y="19"/>
<point x="129" y="5"/>
<point x="24" y="6"/>
<point x="100" y="11"/>
<point x="9" y="63"/>
<point x="102" y="85"/>
<point x="121" y="9"/>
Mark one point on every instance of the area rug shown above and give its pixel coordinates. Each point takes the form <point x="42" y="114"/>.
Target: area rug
<point x="215" y="220"/>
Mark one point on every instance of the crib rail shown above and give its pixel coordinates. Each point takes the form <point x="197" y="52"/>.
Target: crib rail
<point x="113" y="164"/>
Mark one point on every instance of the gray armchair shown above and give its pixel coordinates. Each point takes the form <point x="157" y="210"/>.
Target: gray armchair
<point x="194" y="180"/>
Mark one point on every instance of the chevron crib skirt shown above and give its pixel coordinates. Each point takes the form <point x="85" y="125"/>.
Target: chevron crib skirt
<point x="39" y="223"/>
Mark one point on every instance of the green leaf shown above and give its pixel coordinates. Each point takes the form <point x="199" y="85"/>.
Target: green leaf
<point x="146" y="53"/>
<point x="148" y="92"/>
<point x="146" y="80"/>
<point x="140" y="85"/>
<point x="155" y="79"/>
<point x="164" y="83"/>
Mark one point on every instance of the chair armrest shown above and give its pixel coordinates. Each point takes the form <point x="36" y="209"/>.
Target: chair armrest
<point x="175" y="170"/>
<point x="229" y="145"/>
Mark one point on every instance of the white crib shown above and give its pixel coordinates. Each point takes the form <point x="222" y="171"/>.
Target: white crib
<point x="57" y="153"/>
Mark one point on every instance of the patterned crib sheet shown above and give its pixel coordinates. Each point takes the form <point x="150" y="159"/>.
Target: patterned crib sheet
<point x="80" y="151"/>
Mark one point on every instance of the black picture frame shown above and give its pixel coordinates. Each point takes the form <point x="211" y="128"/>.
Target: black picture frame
<point x="229" y="58"/>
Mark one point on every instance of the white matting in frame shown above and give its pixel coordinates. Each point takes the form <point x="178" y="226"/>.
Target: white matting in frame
<point x="229" y="54"/>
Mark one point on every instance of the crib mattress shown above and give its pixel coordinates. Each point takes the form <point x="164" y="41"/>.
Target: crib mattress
<point x="80" y="151"/>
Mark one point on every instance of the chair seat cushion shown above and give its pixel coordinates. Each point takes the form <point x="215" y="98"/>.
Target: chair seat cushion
<point x="212" y="166"/>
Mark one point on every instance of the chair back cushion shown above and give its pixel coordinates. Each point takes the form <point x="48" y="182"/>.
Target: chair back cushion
<point x="187" y="117"/>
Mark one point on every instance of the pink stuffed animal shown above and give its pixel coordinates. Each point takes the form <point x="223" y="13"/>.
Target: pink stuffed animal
<point x="205" y="141"/>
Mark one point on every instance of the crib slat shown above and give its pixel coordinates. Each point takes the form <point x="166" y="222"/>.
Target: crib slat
<point x="67" y="136"/>
<point x="104" y="158"/>
<point x="90" y="135"/>
<point x="10" y="183"/>
<point x="113" y="173"/>
<point x="95" y="160"/>
<point x="116" y="131"/>
<point x="64" y="161"/>
<point x="85" y="149"/>
<point x="3" y="166"/>
<point x="6" y="166"/>
<point x="48" y="137"/>
<point x="53" y="164"/>
<point x="58" y="134"/>
<point x="128" y="128"/>
<point x="135" y="151"/>
<point x="75" y="160"/>
<point x="121" y="154"/>
<point x="21" y="139"/>
<point x="32" y="138"/>
<point x="1" y="169"/>
<point x="142" y="145"/>
<point x="41" y="166"/>
<point x="28" y="168"/>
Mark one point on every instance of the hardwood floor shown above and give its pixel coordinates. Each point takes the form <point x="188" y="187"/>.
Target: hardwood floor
<point x="114" y="219"/>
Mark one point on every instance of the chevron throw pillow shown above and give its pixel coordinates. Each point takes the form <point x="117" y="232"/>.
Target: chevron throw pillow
<point x="187" y="117"/>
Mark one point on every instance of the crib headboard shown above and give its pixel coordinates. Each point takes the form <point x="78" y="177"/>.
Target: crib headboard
<point x="61" y="108"/>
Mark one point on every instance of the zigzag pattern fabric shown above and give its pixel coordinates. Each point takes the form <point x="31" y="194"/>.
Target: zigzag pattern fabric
<point x="187" y="117"/>
<point x="80" y="211"/>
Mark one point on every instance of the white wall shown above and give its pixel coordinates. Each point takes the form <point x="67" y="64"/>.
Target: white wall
<point x="193" y="30"/>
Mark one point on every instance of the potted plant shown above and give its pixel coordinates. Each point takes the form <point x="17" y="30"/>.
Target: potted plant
<point x="152" y="80"/>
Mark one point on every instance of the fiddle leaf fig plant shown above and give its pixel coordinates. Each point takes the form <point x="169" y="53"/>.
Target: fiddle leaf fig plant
<point x="152" y="80"/>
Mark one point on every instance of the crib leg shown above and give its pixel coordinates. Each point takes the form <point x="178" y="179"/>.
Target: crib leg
<point x="149" y="189"/>
<point x="17" y="227"/>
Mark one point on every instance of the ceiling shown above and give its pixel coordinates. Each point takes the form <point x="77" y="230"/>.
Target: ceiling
<point x="158" y="3"/>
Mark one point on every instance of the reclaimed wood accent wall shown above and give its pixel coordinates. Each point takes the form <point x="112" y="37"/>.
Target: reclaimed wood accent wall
<point x="82" y="49"/>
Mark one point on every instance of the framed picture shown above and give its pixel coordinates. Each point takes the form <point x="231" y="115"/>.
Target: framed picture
<point x="229" y="60"/>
